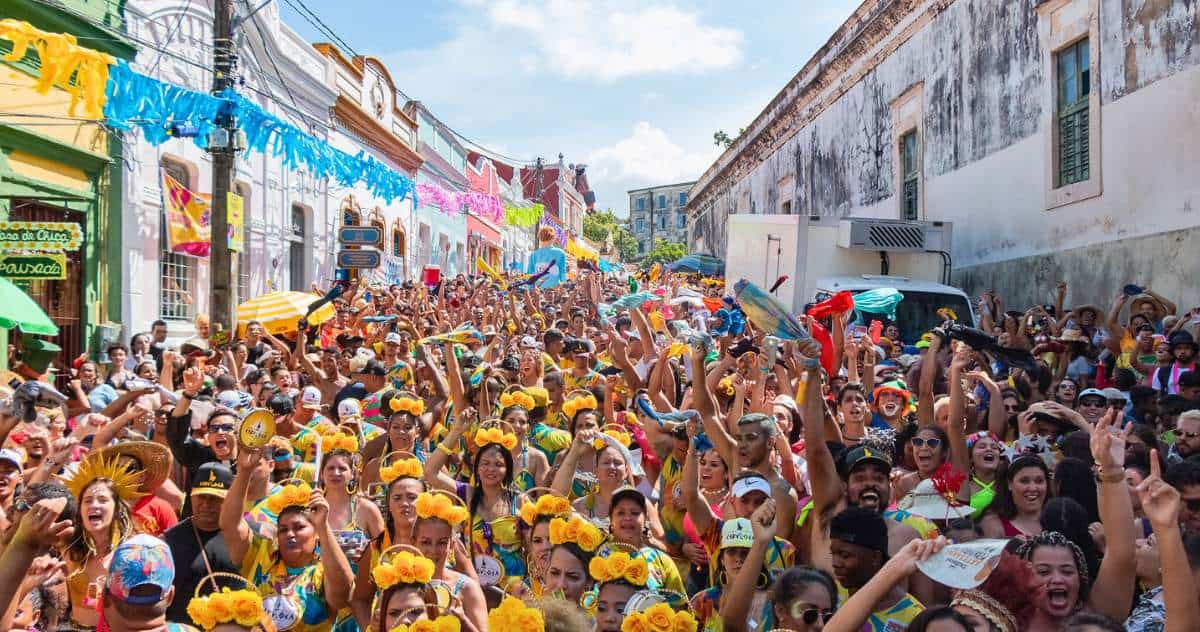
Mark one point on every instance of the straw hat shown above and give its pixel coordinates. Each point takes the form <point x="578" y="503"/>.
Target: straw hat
<point x="154" y="459"/>
<point x="1135" y="306"/>
<point x="1072" y="335"/>
<point x="926" y="501"/>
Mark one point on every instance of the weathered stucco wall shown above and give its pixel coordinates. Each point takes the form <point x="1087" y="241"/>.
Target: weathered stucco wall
<point x="986" y="114"/>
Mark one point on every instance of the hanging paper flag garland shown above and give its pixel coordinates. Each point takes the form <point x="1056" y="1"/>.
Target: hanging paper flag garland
<point x="154" y="107"/>
<point x="523" y="216"/>
<point x="454" y="202"/>
<point x="62" y="60"/>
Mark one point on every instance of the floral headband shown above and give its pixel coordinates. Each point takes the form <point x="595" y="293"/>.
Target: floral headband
<point x="402" y="468"/>
<point x="244" y="607"/>
<point x="405" y="404"/>
<point x="403" y="568"/>
<point x="622" y="438"/>
<point x="516" y="398"/>
<point x="576" y="530"/>
<point x="974" y="438"/>
<point x="546" y="505"/>
<point x="290" y="495"/>
<point x="339" y="441"/>
<point x="497" y="435"/>
<point x="513" y="614"/>
<point x="576" y="404"/>
<point x="444" y="623"/>
<point x="620" y="567"/>
<point x="659" y="618"/>
<point x="440" y="507"/>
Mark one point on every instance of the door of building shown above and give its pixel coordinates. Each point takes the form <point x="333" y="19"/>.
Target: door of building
<point x="61" y="300"/>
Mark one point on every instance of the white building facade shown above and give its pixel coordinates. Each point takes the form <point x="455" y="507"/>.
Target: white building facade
<point x="290" y="217"/>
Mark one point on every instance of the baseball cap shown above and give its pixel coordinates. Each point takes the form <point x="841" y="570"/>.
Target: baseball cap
<point x="348" y="408"/>
<point x="860" y="526"/>
<point x="864" y="454"/>
<point x="281" y="404"/>
<point x="235" y="400"/>
<point x="737" y="534"/>
<point x="370" y="367"/>
<point x="392" y="338"/>
<point x="748" y="484"/>
<point x="140" y="562"/>
<point x="14" y="457"/>
<point x="1092" y="392"/>
<point x="627" y="491"/>
<point x="213" y="479"/>
<point x="310" y="398"/>
<point x="528" y="342"/>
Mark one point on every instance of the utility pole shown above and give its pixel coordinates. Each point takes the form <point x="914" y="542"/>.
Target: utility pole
<point x="222" y="266"/>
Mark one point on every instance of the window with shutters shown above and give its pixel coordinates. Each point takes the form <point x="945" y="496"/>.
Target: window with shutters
<point x="910" y="165"/>
<point x="1074" y="86"/>
<point x="295" y="238"/>
<point x="175" y="269"/>
<point x="662" y="201"/>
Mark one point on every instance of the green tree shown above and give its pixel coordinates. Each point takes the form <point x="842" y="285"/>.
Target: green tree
<point x="598" y="225"/>
<point x="625" y="243"/>
<point x="664" y="252"/>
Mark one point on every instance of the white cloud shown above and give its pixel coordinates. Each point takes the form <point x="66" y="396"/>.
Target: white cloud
<point x="617" y="39"/>
<point x="647" y="157"/>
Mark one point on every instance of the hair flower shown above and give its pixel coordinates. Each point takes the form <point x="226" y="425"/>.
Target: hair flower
<point x="440" y="507"/>
<point x="243" y="607"/>
<point x="401" y="468"/>
<point x="578" y="403"/>
<point x="578" y="531"/>
<point x="414" y="406"/>
<point x="339" y="440"/>
<point x="516" y="398"/>
<point x="512" y="614"/>
<point x="290" y="495"/>
<point x="545" y="505"/>
<point x="620" y="567"/>
<point x="403" y="568"/>
<point x="444" y="623"/>
<point x="488" y="436"/>
<point x="622" y="438"/>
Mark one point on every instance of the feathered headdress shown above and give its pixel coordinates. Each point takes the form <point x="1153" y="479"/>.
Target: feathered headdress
<point x="126" y="483"/>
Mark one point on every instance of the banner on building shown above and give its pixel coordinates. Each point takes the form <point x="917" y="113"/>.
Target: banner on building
<point x="189" y="218"/>
<point x="235" y="212"/>
<point x="42" y="236"/>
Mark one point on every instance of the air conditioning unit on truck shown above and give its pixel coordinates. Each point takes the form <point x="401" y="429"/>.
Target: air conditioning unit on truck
<point x="825" y="255"/>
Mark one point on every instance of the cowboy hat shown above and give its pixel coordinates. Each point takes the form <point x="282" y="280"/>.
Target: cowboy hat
<point x="1135" y="306"/>
<point x="1086" y="307"/>
<point x="154" y="460"/>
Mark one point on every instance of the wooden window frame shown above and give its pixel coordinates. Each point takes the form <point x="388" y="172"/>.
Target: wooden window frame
<point x="908" y="121"/>
<point x="1061" y="25"/>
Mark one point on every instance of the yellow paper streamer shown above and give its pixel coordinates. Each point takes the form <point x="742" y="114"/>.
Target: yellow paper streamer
<point x="62" y="58"/>
<point x="490" y="271"/>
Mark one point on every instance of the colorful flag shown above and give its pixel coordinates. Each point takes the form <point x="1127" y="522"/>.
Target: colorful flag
<point x="189" y="218"/>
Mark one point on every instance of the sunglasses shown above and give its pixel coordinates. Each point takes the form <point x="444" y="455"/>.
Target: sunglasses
<point x="1192" y="504"/>
<point x="919" y="442"/>
<point x="810" y="614"/>
<point x="221" y="428"/>
<point x="1189" y="435"/>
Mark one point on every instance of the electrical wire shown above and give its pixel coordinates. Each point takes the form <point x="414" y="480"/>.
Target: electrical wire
<point x="258" y="28"/>
<point x="170" y="36"/>
<point x="317" y="23"/>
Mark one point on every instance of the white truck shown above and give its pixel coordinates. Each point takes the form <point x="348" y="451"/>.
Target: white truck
<point x="825" y="255"/>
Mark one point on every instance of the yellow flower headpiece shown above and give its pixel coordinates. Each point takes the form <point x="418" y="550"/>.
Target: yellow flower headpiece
<point x="947" y="313"/>
<point x="581" y="402"/>
<point x="403" y="568"/>
<point x="93" y="468"/>
<point x="444" y="623"/>
<point x="402" y="468"/>
<point x="516" y="398"/>
<point x="339" y="441"/>
<point x="497" y="435"/>
<point x="578" y="531"/>
<point x="513" y="614"/>
<point x="290" y="495"/>
<point x="546" y="505"/>
<point x="725" y="386"/>
<point x="620" y="567"/>
<point x="404" y="404"/>
<point x="622" y="438"/>
<point x="244" y="607"/>
<point x="659" y="618"/>
<point x="439" y="506"/>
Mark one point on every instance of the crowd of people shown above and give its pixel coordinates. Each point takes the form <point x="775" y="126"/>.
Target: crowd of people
<point x="620" y="454"/>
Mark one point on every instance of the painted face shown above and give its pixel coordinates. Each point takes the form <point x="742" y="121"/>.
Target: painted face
<point x="628" y="520"/>
<point x="868" y="486"/>
<point x="891" y="404"/>
<point x="97" y="506"/>
<point x="610" y="606"/>
<point x="433" y="539"/>
<point x="1055" y="566"/>
<point x="1028" y="489"/>
<point x="566" y="573"/>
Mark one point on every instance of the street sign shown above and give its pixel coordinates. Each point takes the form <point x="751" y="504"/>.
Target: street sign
<point x="359" y="259"/>
<point x="45" y="236"/>
<point x="41" y="265"/>
<point x="360" y="235"/>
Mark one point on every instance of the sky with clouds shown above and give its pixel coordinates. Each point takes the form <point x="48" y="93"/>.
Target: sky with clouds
<point x="634" y="89"/>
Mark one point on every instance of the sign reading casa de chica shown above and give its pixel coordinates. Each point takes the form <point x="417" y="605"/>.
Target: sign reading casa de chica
<point x="43" y="236"/>
<point x="38" y="265"/>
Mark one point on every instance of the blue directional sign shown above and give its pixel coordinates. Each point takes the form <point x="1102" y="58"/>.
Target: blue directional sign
<point x="360" y="235"/>
<point x="359" y="259"/>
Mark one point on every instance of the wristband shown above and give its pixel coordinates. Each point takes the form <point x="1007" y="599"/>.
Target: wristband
<point x="441" y="447"/>
<point x="1113" y="475"/>
<point x="187" y="395"/>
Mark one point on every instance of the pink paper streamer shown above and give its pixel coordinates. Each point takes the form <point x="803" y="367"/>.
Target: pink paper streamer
<point x="482" y="205"/>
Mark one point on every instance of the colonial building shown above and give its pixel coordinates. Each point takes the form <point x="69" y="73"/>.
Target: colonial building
<point x="487" y="175"/>
<point x="554" y="185"/>
<point x="1053" y="133"/>
<point x="290" y="217"/>
<point x="369" y="117"/>
<point x="659" y="213"/>
<point x="64" y="169"/>
<point x="440" y="238"/>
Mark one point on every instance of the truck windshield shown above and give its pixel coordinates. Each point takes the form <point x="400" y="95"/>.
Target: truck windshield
<point x="917" y="313"/>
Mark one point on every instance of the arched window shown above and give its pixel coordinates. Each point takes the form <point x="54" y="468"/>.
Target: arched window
<point x="399" y="245"/>
<point x="351" y="215"/>
<point x="377" y="222"/>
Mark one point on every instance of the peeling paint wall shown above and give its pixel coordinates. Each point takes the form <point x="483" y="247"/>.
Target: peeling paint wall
<point x="986" y="118"/>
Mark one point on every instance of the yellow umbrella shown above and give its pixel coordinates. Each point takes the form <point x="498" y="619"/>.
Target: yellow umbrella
<point x="279" y="312"/>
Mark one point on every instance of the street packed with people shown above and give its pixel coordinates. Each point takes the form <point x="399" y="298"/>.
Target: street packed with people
<point x="657" y="452"/>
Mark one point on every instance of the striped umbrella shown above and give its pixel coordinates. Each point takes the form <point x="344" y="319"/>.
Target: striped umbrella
<point x="279" y="312"/>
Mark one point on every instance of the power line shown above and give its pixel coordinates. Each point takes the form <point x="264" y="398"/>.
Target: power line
<point x="171" y="35"/>
<point x="317" y="23"/>
<point x="258" y="28"/>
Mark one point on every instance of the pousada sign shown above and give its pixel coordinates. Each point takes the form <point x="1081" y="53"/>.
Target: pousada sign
<point x="43" y="266"/>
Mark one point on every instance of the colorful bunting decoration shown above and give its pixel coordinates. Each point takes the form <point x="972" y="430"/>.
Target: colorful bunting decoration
<point x="523" y="216"/>
<point x="62" y="60"/>
<point x="189" y="218"/>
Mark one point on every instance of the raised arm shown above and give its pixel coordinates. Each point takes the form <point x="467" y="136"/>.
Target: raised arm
<point x="435" y="476"/>
<point x="339" y="579"/>
<point x="735" y="608"/>
<point x="925" y="385"/>
<point x="458" y="394"/>
<point x="233" y="526"/>
<point x="565" y="476"/>
<point x="959" y="457"/>
<point x="1160" y="502"/>
<point x="697" y="508"/>
<point x="822" y="471"/>
<point x="852" y="615"/>
<point x="1112" y="592"/>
